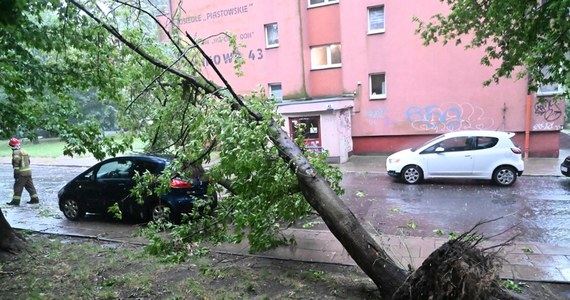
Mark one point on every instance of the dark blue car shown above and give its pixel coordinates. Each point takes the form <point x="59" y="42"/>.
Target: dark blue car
<point x="565" y="167"/>
<point x="110" y="181"/>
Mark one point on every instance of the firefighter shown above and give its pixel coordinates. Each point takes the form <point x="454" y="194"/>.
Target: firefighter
<point x="22" y="174"/>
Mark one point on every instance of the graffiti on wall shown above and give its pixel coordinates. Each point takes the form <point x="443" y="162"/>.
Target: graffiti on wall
<point x="548" y="114"/>
<point x="448" y="117"/>
<point x="228" y="58"/>
<point x="374" y="116"/>
<point x="345" y="129"/>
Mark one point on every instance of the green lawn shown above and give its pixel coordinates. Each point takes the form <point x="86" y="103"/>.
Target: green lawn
<point x="46" y="148"/>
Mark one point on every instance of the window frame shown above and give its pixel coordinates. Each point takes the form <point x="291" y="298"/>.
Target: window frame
<point x="265" y="29"/>
<point x="270" y="90"/>
<point x="559" y="87"/>
<point x="384" y="87"/>
<point x="329" y="64"/>
<point x="558" y="91"/>
<point x="325" y="2"/>
<point x="383" y="29"/>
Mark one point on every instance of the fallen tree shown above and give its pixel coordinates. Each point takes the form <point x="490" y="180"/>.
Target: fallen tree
<point x="197" y="91"/>
<point x="367" y="253"/>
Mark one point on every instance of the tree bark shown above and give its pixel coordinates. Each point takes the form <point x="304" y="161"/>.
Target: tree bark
<point x="340" y="220"/>
<point x="11" y="242"/>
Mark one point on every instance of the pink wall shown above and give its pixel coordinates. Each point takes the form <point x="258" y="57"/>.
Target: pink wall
<point x="326" y="82"/>
<point x="323" y="28"/>
<point x="429" y="89"/>
<point x="323" y="25"/>
<point x="283" y="64"/>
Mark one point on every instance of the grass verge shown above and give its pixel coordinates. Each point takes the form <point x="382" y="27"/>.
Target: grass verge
<point x="54" y="267"/>
<point x="52" y="147"/>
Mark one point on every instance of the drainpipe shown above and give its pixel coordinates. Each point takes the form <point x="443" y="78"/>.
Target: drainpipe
<point x="527" y="127"/>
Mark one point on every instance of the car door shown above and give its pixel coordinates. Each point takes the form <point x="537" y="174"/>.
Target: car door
<point x="451" y="157"/>
<point x="86" y="190"/>
<point x="486" y="156"/>
<point x="115" y="180"/>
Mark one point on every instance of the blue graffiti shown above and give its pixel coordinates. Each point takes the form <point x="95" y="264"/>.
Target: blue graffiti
<point x="432" y="117"/>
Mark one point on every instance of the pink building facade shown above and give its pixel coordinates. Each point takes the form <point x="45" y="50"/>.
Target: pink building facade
<point x="360" y="79"/>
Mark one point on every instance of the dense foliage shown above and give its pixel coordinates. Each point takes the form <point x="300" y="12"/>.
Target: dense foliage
<point x="52" y="57"/>
<point x="110" y="50"/>
<point x="56" y="55"/>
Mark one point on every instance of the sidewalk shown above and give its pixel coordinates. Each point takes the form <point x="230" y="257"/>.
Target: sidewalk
<point x="524" y="261"/>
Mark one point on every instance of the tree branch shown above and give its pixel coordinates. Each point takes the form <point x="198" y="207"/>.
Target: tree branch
<point x="210" y="88"/>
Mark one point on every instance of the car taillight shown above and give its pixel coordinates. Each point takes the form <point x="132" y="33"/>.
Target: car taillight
<point x="179" y="183"/>
<point x="516" y="150"/>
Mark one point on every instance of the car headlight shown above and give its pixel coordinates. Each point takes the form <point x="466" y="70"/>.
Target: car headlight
<point x="393" y="160"/>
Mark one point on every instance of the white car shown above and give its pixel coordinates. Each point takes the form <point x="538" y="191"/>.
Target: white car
<point x="476" y="154"/>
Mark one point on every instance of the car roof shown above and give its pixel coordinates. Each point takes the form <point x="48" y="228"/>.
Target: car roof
<point x="489" y="133"/>
<point x="150" y="158"/>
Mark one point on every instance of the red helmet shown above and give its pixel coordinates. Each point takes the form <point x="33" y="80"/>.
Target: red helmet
<point x="14" y="142"/>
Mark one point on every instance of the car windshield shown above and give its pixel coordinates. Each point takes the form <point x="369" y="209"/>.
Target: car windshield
<point x="425" y="143"/>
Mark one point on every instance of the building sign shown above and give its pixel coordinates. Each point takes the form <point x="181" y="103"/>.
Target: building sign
<point x="217" y="14"/>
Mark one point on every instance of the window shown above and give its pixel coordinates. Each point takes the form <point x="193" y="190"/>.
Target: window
<point x="378" y="86"/>
<point x="376" y="22"/>
<point x="313" y="3"/>
<point x="115" y="169"/>
<point x="323" y="57"/>
<point x="275" y="91"/>
<point x="549" y="89"/>
<point x="308" y="127"/>
<point x="453" y="144"/>
<point x="271" y="35"/>
<point x="484" y="142"/>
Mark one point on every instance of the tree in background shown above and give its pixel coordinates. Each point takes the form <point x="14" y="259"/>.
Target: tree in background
<point x="49" y="54"/>
<point x="532" y="34"/>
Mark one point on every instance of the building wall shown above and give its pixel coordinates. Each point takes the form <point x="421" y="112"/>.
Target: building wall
<point x="429" y="90"/>
<point x="246" y="19"/>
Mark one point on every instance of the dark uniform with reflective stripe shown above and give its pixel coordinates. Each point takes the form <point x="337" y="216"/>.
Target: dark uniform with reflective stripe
<point x="23" y="176"/>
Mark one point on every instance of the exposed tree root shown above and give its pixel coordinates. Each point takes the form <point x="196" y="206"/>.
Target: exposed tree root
<point x="459" y="269"/>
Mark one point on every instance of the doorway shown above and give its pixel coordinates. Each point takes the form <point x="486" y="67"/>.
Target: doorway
<point x="309" y="128"/>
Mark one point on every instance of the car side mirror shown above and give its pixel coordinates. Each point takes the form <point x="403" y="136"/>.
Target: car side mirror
<point x="439" y="149"/>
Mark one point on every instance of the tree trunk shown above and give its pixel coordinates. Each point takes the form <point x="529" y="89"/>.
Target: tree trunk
<point x="361" y="246"/>
<point x="11" y="242"/>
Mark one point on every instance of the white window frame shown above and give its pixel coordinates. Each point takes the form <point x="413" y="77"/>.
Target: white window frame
<point x="384" y="85"/>
<point x="558" y="91"/>
<point x="266" y="29"/>
<point x="381" y="30"/>
<point x="329" y="63"/>
<point x="270" y="89"/>
<point x="325" y="2"/>
<point x="559" y="88"/>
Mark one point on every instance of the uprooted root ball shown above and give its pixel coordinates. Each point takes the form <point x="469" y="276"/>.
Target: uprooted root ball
<point x="459" y="269"/>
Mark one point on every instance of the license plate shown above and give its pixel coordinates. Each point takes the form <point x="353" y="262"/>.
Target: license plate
<point x="563" y="169"/>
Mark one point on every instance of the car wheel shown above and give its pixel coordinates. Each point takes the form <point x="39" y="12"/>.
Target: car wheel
<point x="160" y="213"/>
<point x="412" y="174"/>
<point x="72" y="209"/>
<point x="504" y="176"/>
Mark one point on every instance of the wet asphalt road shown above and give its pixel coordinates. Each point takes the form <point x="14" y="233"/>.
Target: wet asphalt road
<point x="536" y="209"/>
